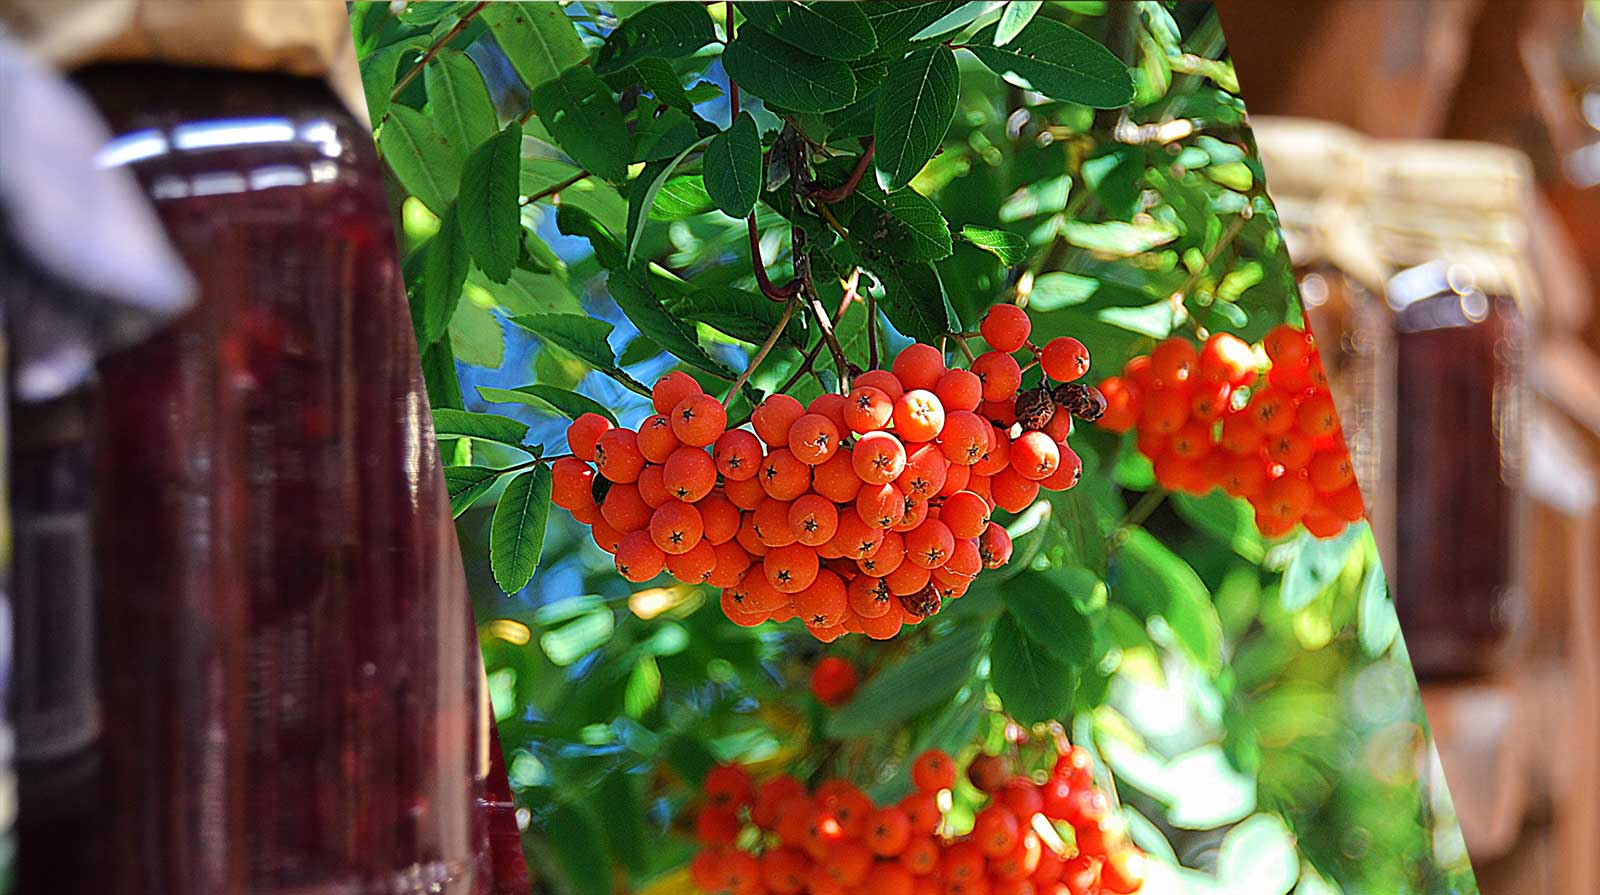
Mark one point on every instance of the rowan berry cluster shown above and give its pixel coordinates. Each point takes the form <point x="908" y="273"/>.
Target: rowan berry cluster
<point x="857" y="513"/>
<point x="1205" y="422"/>
<point x="1058" y="836"/>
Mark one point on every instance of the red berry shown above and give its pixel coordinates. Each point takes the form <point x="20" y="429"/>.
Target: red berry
<point x="833" y="681"/>
<point x="1064" y="359"/>
<point x="1006" y="327"/>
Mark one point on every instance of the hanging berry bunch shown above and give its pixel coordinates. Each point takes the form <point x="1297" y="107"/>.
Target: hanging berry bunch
<point x="1055" y="835"/>
<point x="1206" y="421"/>
<point x="857" y="513"/>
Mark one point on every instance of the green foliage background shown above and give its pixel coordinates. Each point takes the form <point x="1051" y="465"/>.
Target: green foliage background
<point x="573" y="186"/>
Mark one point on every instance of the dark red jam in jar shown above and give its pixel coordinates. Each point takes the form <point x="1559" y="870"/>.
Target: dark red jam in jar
<point x="1459" y="353"/>
<point x="289" y="669"/>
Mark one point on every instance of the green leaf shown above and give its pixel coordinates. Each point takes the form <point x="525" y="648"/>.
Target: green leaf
<point x="1016" y="17"/>
<point x="904" y="224"/>
<point x="487" y="426"/>
<point x="929" y="677"/>
<point x="584" y="338"/>
<point x="827" y="29"/>
<point x="787" y="77"/>
<point x="1047" y="611"/>
<point x="466" y="484"/>
<point x="476" y="338"/>
<point x="740" y="313"/>
<point x="420" y="157"/>
<point x="1230" y="521"/>
<point x="380" y="70"/>
<point x="537" y="38"/>
<point x="516" y="536"/>
<point x="1115" y="176"/>
<point x="569" y="404"/>
<point x="914" y="300"/>
<point x="1032" y="684"/>
<point x="580" y="113"/>
<point x="914" y="111"/>
<point x="1150" y="579"/>
<point x="897" y="23"/>
<point x="659" y="78"/>
<point x="1008" y="247"/>
<point x="444" y="271"/>
<point x="732" y="167"/>
<point x="1315" y="565"/>
<point x="459" y="101"/>
<point x="491" y="220"/>
<point x="642" y="195"/>
<point x="680" y="198"/>
<point x="1052" y="59"/>
<point x="578" y="637"/>
<point x="662" y="30"/>
<point x="641" y="305"/>
<point x="1258" y="857"/>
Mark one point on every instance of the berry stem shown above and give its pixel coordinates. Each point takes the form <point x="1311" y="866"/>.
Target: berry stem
<point x="411" y="74"/>
<point x="547" y="192"/>
<point x="761" y="354"/>
<point x="961" y="342"/>
<point x="1142" y="510"/>
<point x="771" y="291"/>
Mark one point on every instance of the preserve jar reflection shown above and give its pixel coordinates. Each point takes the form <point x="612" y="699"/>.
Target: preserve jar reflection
<point x="290" y="673"/>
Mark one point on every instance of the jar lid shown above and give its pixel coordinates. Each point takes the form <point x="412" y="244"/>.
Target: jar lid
<point x="306" y="38"/>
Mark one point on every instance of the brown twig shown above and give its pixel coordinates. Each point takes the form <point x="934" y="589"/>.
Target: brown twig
<point x="768" y="288"/>
<point x="761" y="354"/>
<point x="843" y="190"/>
<point x="552" y="190"/>
<point x="460" y="25"/>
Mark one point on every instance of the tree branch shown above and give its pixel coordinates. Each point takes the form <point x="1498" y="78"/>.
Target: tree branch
<point x="433" y="51"/>
<point x="843" y="190"/>
<point x="761" y="354"/>
<point x="551" y="191"/>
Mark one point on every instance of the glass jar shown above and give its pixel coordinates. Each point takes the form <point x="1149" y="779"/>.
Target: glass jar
<point x="1450" y="222"/>
<point x="289" y="669"/>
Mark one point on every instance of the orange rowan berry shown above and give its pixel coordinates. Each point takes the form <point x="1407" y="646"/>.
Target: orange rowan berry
<point x="757" y="593"/>
<point x="822" y="601"/>
<point x="931" y="771"/>
<point x="773" y="418"/>
<point x="966" y="560"/>
<point x="671" y="389"/>
<point x="1191" y="442"/>
<point x="783" y="870"/>
<point x="719" y="517"/>
<point x="955" y="479"/>
<point x="617" y="456"/>
<point x="1080" y="875"/>
<point x="1240" y="434"/>
<point x="868" y="596"/>
<point x="966" y="514"/>
<point x="656" y="439"/>
<point x="1210" y="400"/>
<point x="771" y="523"/>
<point x="624" y="510"/>
<point x="906" y="579"/>
<point x="856" y="538"/>
<point x="1035" y="456"/>
<point x="959" y="389"/>
<point x="867" y="409"/>
<point x="1000" y="373"/>
<point x="831" y="406"/>
<point x="995" y="546"/>
<point x="887" y="832"/>
<point x="1347" y="503"/>
<point x="1287" y="345"/>
<point x="1140" y="375"/>
<point x="1244" y="476"/>
<point x="689" y="473"/>
<point x="835" y="478"/>
<point x="918" y="416"/>
<point x="912" y="513"/>
<point x="1291" y="378"/>
<point x="962" y="863"/>
<point x="731" y="564"/>
<point x="919" y="366"/>
<point x="738" y="454"/>
<point x="746" y="494"/>
<point x="1290" y="449"/>
<point x="1064" y="359"/>
<point x="1174" y="361"/>
<point x="652" y="485"/>
<point x="1011" y="491"/>
<point x="813" y="439"/>
<point x="716" y="826"/>
<point x="676" y="527"/>
<point x="930" y="544"/>
<point x="571" y="483"/>
<point x="884" y="381"/>
<point x="886" y="557"/>
<point x="693" y="566"/>
<point x="1272" y="411"/>
<point x="1002" y="413"/>
<point x="1322" y="522"/>
<point x="698" y="420"/>
<point x="638" y="559"/>
<point x="1164" y="411"/>
<point x="588" y="513"/>
<point x="784" y="476"/>
<point x="584" y="432"/>
<point x="884" y="626"/>
<point x="1124" y="871"/>
<point x="996" y="456"/>
<point x="878" y="458"/>
<point x="925" y="472"/>
<point x="1005" y="327"/>
<point x="921" y="855"/>
<point x="1069" y="470"/>
<point x="886" y="878"/>
<point x="1288" y="497"/>
<point x="605" y="537"/>
<point x="880" y="506"/>
<point x="771" y="794"/>
<point x="1331" y="471"/>
<point x="1226" y="358"/>
<point x="965" y="437"/>
<point x="813" y="519"/>
<point x="1317" y="417"/>
<point x="792" y="569"/>
<point x="1122" y="408"/>
<point x="833" y="681"/>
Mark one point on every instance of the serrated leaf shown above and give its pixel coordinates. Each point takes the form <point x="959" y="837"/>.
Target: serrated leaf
<point x="904" y="224"/>
<point x="538" y="39"/>
<point x="643" y="307"/>
<point x="490" y="220"/>
<point x="476" y="338"/>
<point x="466" y="484"/>
<point x="788" y="77"/>
<point x="380" y="70"/>
<point x="1032" y="684"/>
<point x="1048" y="613"/>
<point x="897" y="23"/>
<point x="662" y="30"/>
<point x="444" y="271"/>
<point x="1016" y="17"/>
<point x="459" y="101"/>
<point x="1008" y="247"/>
<point x="584" y="338"/>
<point x="487" y="426"/>
<point x="516" y="536"/>
<point x="580" y="113"/>
<point x="732" y="167"/>
<point x="914" y="300"/>
<point x="740" y="313"/>
<point x="1057" y="61"/>
<point x="569" y="404"/>
<point x="917" y="102"/>
<point x="830" y="30"/>
<point x="421" y="158"/>
<point x="922" y="680"/>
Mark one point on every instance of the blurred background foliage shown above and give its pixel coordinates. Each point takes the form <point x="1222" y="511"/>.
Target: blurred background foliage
<point x="1251" y="700"/>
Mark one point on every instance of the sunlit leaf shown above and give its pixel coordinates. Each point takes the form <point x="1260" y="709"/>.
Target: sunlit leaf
<point x="516" y="536"/>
